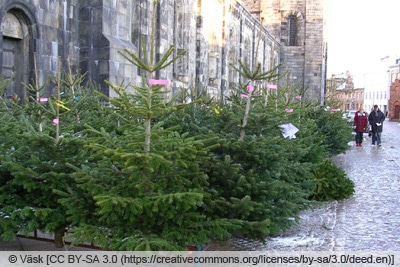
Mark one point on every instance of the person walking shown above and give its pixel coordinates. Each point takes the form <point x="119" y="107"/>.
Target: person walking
<point x="360" y="125"/>
<point x="375" y="119"/>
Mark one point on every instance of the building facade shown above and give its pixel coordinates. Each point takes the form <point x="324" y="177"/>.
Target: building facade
<point x="299" y="25"/>
<point x="39" y="38"/>
<point x="347" y="94"/>
<point x="376" y="91"/>
<point x="394" y="101"/>
<point x="394" y="90"/>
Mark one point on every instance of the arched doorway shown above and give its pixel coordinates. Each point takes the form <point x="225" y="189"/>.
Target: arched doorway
<point x="396" y="114"/>
<point x="16" y="38"/>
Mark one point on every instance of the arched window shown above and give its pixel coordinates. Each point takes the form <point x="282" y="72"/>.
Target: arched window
<point x="140" y="9"/>
<point x="247" y="52"/>
<point x="233" y="56"/>
<point x="181" y="40"/>
<point x="292" y="22"/>
<point x="16" y="45"/>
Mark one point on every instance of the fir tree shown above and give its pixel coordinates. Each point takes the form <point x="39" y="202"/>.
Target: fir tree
<point x="142" y="184"/>
<point x="256" y="175"/>
<point x="39" y="138"/>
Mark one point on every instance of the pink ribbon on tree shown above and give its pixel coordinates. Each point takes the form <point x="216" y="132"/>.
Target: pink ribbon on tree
<point x="158" y="82"/>
<point x="250" y="88"/>
<point x="42" y="99"/>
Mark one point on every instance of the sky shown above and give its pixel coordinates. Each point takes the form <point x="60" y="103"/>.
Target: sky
<point x="360" y="34"/>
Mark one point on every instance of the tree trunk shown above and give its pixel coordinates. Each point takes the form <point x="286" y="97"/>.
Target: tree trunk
<point x="58" y="237"/>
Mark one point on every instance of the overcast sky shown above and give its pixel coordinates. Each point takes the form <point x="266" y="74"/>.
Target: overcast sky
<point x="360" y="33"/>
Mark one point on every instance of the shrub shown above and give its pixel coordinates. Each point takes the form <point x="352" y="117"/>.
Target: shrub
<point x="336" y="131"/>
<point x="331" y="183"/>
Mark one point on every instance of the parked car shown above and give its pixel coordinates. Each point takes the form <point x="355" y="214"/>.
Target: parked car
<point x="349" y="115"/>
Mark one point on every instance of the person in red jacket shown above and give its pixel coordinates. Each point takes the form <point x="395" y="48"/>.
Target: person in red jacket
<point x="360" y="125"/>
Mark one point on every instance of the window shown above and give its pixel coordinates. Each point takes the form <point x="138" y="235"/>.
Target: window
<point x="232" y="56"/>
<point x="292" y="30"/>
<point x="139" y="12"/>
<point x="181" y="40"/>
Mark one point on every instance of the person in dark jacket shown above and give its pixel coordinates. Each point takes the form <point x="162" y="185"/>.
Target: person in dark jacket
<point x="360" y="125"/>
<point x="375" y="119"/>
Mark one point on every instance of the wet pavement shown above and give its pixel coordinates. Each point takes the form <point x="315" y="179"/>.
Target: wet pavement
<point x="367" y="221"/>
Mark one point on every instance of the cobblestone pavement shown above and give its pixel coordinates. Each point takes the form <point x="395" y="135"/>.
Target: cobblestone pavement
<point x="367" y="221"/>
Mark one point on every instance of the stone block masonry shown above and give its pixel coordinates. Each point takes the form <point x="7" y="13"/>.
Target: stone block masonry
<point x="87" y="35"/>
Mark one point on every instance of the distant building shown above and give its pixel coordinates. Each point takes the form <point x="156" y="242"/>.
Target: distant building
<point x="394" y="102"/>
<point x="376" y="91"/>
<point x="347" y="94"/>
<point x="378" y="85"/>
<point x="394" y="91"/>
<point x="366" y="90"/>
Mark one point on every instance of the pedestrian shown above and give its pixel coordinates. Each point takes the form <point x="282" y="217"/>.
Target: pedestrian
<point x="375" y="119"/>
<point x="360" y="125"/>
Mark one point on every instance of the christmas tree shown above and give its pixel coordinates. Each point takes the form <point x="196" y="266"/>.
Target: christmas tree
<point x="40" y="138"/>
<point x="142" y="187"/>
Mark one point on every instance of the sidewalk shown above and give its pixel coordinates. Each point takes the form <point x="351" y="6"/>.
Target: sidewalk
<point x="367" y="221"/>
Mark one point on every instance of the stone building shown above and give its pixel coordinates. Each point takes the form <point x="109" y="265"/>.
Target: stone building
<point x="351" y="99"/>
<point x="347" y="95"/>
<point x="394" y="91"/>
<point x="299" y="26"/>
<point x="394" y="101"/>
<point x="38" y="38"/>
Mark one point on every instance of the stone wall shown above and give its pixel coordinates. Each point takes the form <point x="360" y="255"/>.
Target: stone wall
<point x="305" y="62"/>
<point x="105" y="29"/>
<point x="315" y="51"/>
<point x="49" y="36"/>
<point x="88" y="35"/>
